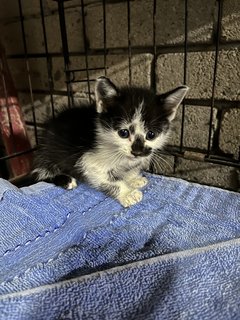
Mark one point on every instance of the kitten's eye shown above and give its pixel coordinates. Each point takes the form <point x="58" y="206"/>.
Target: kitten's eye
<point x="150" y="135"/>
<point x="123" y="133"/>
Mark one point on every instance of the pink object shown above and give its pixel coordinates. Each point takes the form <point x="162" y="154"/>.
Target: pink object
<point x="12" y="126"/>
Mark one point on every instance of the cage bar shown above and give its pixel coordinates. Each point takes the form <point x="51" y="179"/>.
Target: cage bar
<point x="48" y="58"/>
<point x="28" y="68"/>
<point x="153" y="79"/>
<point x="85" y="48"/>
<point x="65" y="54"/>
<point x="104" y="37"/>
<point x="129" y="42"/>
<point x="218" y="34"/>
<point x="184" y="69"/>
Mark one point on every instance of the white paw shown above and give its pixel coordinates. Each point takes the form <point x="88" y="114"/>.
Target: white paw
<point x="72" y="184"/>
<point x="139" y="182"/>
<point x="131" y="198"/>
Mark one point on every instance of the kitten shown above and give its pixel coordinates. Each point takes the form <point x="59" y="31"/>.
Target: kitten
<point x="109" y="142"/>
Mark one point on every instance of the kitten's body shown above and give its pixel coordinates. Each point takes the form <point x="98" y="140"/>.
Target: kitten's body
<point x="108" y="143"/>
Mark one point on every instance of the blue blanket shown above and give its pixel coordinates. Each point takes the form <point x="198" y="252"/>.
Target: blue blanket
<point x="79" y="255"/>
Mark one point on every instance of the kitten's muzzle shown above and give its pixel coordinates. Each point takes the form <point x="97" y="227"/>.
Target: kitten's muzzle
<point x="141" y="153"/>
<point x="138" y="148"/>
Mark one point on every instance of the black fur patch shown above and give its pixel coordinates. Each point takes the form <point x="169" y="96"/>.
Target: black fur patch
<point x="62" y="180"/>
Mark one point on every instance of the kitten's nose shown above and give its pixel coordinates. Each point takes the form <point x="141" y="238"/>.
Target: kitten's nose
<point x="138" y="147"/>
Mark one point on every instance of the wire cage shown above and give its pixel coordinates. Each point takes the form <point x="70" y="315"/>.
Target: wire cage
<point x="54" y="50"/>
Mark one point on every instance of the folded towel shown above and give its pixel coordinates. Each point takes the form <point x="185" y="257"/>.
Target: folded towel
<point x="49" y="235"/>
<point x="194" y="284"/>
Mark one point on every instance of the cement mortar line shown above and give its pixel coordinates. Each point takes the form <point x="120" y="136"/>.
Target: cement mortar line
<point x="177" y="48"/>
<point x="50" y="12"/>
<point x="218" y="103"/>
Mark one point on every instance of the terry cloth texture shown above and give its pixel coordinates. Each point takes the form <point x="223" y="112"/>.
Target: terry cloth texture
<point x="79" y="255"/>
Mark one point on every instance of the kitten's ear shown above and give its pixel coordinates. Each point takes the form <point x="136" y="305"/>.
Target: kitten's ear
<point x="171" y="100"/>
<point x="105" y="93"/>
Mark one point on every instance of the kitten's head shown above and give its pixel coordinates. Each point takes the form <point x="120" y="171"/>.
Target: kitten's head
<point x="134" y="121"/>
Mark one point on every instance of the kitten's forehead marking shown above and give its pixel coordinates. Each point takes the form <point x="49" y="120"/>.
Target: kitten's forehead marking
<point x="137" y="120"/>
<point x="138" y="113"/>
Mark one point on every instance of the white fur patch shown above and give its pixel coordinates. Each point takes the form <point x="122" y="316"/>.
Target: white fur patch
<point x="137" y="121"/>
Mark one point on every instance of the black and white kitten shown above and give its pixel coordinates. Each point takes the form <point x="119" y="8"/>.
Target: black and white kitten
<point x="109" y="142"/>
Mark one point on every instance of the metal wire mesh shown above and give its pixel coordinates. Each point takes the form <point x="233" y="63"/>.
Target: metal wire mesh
<point x="212" y="153"/>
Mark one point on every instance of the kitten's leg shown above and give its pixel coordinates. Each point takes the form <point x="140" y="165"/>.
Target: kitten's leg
<point x="65" y="181"/>
<point x="61" y="180"/>
<point x="135" y="180"/>
<point x="119" y="190"/>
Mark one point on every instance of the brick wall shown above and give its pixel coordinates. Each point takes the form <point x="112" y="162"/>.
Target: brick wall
<point x="162" y="68"/>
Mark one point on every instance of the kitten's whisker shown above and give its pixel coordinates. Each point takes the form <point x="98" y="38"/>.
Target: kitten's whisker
<point x="156" y="165"/>
<point x="160" y="160"/>
<point x="163" y="162"/>
<point x="160" y="166"/>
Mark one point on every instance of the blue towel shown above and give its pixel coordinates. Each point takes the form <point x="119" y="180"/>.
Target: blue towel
<point x="78" y="254"/>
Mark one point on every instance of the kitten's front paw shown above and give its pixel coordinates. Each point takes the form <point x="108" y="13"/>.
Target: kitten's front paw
<point x="139" y="182"/>
<point x="131" y="198"/>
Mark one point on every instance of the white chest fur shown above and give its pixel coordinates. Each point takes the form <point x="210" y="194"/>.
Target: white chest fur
<point x="96" y="165"/>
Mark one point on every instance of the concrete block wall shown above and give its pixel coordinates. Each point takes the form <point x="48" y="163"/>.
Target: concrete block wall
<point x="166" y="68"/>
